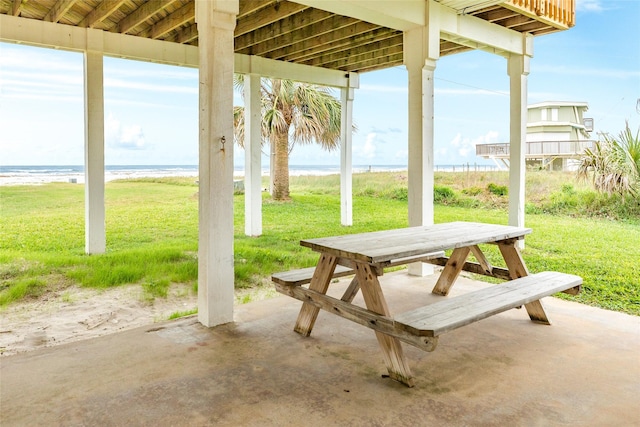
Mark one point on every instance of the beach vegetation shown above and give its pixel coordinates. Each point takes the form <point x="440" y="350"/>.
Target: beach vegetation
<point x="152" y="232"/>
<point x="292" y="113"/>
<point x="613" y="165"/>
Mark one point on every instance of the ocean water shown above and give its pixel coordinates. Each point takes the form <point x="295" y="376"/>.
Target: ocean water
<point x="41" y="174"/>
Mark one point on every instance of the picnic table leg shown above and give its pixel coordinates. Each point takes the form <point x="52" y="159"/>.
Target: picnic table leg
<point x="351" y="291"/>
<point x="517" y="269"/>
<point x="451" y="271"/>
<point x="319" y="283"/>
<point x="391" y="348"/>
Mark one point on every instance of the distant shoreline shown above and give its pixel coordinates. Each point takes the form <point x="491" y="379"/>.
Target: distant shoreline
<point x="44" y="174"/>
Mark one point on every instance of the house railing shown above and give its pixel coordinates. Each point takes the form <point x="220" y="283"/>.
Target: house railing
<point x="537" y="149"/>
<point x="555" y="12"/>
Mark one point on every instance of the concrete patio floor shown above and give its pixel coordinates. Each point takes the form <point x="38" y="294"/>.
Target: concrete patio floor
<point x="584" y="370"/>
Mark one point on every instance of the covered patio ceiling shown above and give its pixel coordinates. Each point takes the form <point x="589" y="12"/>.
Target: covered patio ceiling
<point x="290" y="31"/>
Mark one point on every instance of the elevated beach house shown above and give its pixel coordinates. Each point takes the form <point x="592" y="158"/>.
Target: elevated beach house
<point x="317" y="41"/>
<point x="557" y="135"/>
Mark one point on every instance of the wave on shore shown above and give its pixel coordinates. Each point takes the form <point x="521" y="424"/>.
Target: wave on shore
<point x="34" y="175"/>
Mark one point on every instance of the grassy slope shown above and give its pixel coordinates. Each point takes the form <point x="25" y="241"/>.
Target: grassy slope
<point x="152" y="233"/>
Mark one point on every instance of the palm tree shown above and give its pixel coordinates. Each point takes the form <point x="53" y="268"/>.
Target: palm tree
<point x="614" y="163"/>
<point x="292" y="113"/>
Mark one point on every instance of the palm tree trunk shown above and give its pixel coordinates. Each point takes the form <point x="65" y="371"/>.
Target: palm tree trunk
<point x="280" y="189"/>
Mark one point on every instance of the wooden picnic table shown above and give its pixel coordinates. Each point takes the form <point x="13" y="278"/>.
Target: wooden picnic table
<point x="366" y="255"/>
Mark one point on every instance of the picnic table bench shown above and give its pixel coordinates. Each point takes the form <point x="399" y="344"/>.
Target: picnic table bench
<point x="366" y="255"/>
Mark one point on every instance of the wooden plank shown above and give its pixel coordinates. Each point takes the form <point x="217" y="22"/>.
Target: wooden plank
<point x="141" y="14"/>
<point x="358" y="315"/>
<point x="391" y="348"/>
<point x="517" y="268"/>
<point x="482" y="259"/>
<point x="451" y="271"/>
<point x="177" y="18"/>
<point x="382" y="246"/>
<point x="59" y="9"/>
<point x="303" y="276"/>
<point x="473" y="267"/>
<point x="453" y="313"/>
<point x="319" y="283"/>
<point x="104" y="9"/>
<point x="351" y="291"/>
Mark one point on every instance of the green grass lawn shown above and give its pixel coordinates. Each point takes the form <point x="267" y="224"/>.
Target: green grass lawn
<point x="152" y="232"/>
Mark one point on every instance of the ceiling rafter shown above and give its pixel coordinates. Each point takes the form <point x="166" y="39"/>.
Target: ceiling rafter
<point x="253" y="6"/>
<point x="284" y="26"/>
<point x="383" y="48"/>
<point x="342" y="44"/>
<point x="104" y="9"/>
<point x="305" y="33"/>
<point x="172" y="21"/>
<point x="275" y="29"/>
<point x="15" y="7"/>
<point x="58" y="10"/>
<point x="269" y="15"/>
<point x="185" y="35"/>
<point x="141" y="14"/>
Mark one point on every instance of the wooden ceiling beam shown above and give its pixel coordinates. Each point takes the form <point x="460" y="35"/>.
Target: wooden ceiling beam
<point x="351" y="57"/>
<point x="307" y="33"/>
<point x="376" y="64"/>
<point x="515" y="21"/>
<point x="15" y="7"/>
<point x="280" y="10"/>
<point x="58" y="10"/>
<point x="284" y="26"/>
<point x="104" y="9"/>
<point x="141" y="14"/>
<point x="344" y="43"/>
<point x="180" y="17"/>
<point x="248" y="7"/>
<point x="185" y="35"/>
<point x="496" y="14"/>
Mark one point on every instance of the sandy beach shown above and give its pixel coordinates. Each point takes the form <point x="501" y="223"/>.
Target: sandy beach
<point x="75" y="314"/>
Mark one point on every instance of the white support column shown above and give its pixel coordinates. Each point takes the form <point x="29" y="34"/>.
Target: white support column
<point x="421" y="51"/>
<point x="95" y="235"/>
<point x="216" y="22"/>
<point x="252" y="156"/>
<point x="518" y="70"/>
<point x="346" y="137"/>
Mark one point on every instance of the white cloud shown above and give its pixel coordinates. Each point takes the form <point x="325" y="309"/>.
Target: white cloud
<point x="384" y="88"/>
<point x="124" y="137"/>
<point x="402" y="156"/>
<point x="589" y="6"/>
<point x="467" y="146"/>
<point x="123" y="84"/>
<point x="467" y="92"/>
<point x="591" y="72"/>
<point x="368" y="150"/>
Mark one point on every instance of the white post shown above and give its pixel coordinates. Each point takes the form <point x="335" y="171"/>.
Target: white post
<point x="95" y="235"/>
<point x="216" y="22"/>
<point x="252" y="160"/>
<point x="421" y="51"/>
<point x="518" y="69"/>
<point x="346" y="136"/>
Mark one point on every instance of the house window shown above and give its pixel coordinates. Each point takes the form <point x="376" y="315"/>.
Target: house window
<point x="554" y="114"/>
<point x="543" y="114"/>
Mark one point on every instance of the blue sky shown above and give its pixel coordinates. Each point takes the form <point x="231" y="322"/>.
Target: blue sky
<point x="151" y="114"/>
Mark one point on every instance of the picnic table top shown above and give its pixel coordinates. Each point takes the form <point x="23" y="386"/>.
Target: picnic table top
<point x="384" y="246"/>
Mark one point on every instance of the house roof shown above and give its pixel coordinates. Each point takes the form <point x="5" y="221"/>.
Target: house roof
<point x="290" y="31"/>
<point x="549" y="104"/>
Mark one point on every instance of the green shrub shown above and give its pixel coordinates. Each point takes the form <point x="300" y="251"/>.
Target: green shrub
<point x="444" y="195"/>
<point x="472" y="191"/>
<point x="498" y="190"/>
